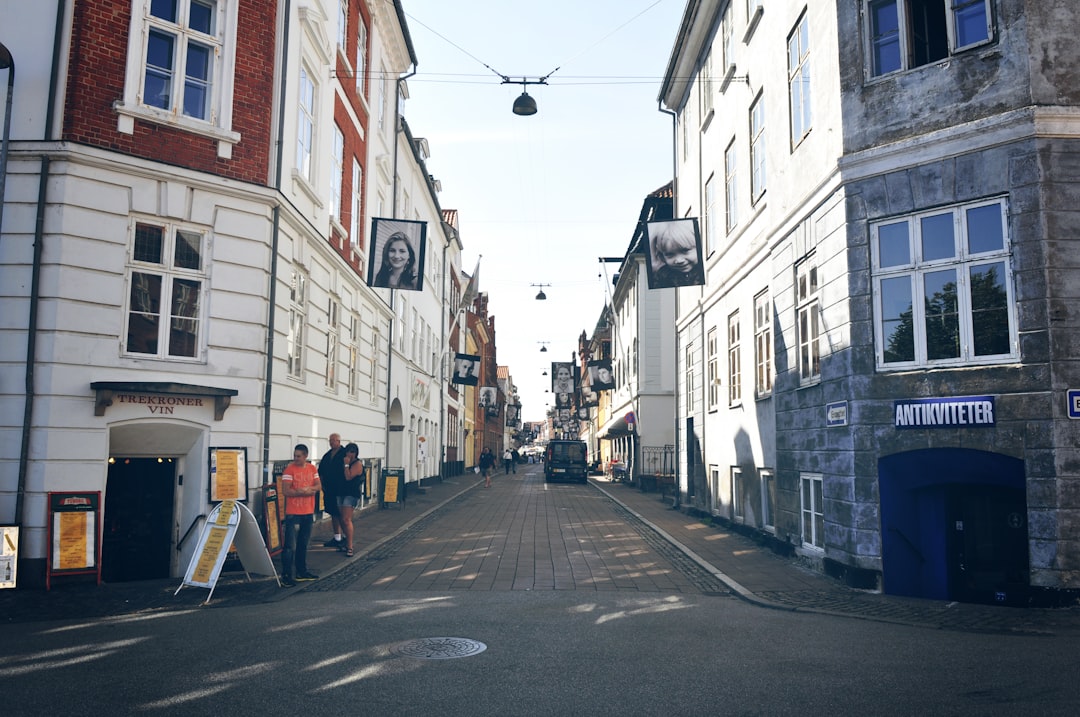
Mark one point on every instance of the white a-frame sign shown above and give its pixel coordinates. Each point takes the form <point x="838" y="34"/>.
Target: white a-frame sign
<point x="230" y="524"/>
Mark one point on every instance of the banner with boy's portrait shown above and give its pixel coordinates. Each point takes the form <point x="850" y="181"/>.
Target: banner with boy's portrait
<point x="488" y="399"/>
<point x="601" y="377"/>
<point x="397" y="254"/>
<point x="466" y="369"/>
<point x="674" y="254"/>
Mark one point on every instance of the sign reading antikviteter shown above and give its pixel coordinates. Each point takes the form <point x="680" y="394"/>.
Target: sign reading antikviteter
<point x="960" y="411"/>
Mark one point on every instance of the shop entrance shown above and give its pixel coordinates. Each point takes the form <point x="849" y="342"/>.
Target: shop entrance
<point x="137" y="527"/>
<point x="954" y="526"/>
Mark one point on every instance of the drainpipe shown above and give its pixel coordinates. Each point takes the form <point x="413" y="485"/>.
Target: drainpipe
<point x="35" y="276"/>
<point x="393" y="314"/>
<point x="6" y="62"/>
<point x="674" y="213"/>
<point x="275" y="239"/>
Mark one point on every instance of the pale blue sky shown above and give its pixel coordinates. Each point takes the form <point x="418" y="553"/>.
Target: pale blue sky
<point x="542" y="197"/>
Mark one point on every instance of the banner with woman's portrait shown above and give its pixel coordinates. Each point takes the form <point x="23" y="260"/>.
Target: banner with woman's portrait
<point x="397" y="254"/>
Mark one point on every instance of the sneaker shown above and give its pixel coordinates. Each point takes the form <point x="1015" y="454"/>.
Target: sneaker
<point x="306" y="577"/>
<point x="287" y="582"/>
<point x="333" y="543"/>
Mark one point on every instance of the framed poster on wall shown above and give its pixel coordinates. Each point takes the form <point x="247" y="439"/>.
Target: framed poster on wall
<point x="228" y="474"/>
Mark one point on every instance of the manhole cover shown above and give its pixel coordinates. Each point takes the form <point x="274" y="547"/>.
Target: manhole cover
<point x="439" y="648"/>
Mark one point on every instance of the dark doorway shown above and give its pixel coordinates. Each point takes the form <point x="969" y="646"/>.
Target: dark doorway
<point x="137" y="528"/>
<point x="954" y="525"/>
<point x="988" y="556"/>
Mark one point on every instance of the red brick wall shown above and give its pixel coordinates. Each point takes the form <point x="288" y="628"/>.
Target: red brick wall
<point x="96" y="80"/>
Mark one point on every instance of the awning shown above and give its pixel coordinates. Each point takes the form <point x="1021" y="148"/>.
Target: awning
<point x="615" y="428"/>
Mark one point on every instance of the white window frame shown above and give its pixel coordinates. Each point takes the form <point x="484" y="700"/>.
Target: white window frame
<point x="738" y="508"/>
<point x="337" y="174"/>
<point x="218" y="124"/>
<point x="343" y="23"/>
<point x="307" y="104"/>
<point x="734" y="334"/>
<point x="811" y="511"/>
<point x="361" y="55"/>
<point x="294" y="343"/>
<point x="709" y="218"/>
<point x="808" y="324"/>
<point x="763" y="349"/>
<point x="953" y="10"/>
<point x="172" y="278"/>
<point x="799" y="81"/>
<point x="356" y="227"/>
<point x="691" y="397"/>
<point x="333" y="340"/>
<point x="757" y="148"/>
<point x="768" y="499"/>
<point x="713" y="368"/>
<point x="731" y="189"/>
<point x="373" y="365"/>
<point x="353" y="353"/>
<point x="917" y="268"/>
<point x="706" y="85"/>
<point x="727" y="34"/>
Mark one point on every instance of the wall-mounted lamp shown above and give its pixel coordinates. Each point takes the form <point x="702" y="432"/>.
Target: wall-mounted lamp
<point x="541" y="296"/>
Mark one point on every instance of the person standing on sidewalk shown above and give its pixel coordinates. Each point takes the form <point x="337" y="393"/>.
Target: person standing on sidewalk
<point x="349" y="497"/>
<point x="332" y="475"/>
<point x="300" y="483"/>
<point x="508" y="459"/>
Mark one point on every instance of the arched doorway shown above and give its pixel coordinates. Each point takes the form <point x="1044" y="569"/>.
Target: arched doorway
<point x="137" y="527"/>
<point x="954" y="525"/>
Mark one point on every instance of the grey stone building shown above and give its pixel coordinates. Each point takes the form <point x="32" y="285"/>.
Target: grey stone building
<point x="887" y="198"/>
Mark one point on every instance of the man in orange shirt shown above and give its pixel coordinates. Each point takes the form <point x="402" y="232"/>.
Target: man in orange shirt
<point x="300" y="483"/>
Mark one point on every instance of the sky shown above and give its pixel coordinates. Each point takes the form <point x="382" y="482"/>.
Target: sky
<point x="540" y="199"/>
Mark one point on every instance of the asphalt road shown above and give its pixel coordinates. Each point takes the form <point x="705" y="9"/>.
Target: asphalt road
<point x="523" y="599"/>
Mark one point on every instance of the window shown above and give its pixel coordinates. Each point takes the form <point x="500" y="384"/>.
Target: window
<point x="713" y="370"/>
<point x="738" y="511"/>
<point x="691" y="398"/>
<point x="361" y="57"/>
<point x="333" y="338"/>
<point x="710" y="216"/>
<point x="798" y="52"/>
<point x="757" y="148"/>
<point x="812" y="516"/>
<point x="181" y="55"/>
<point x="343" y="22"/>
<point x="806" y="288"/>
<point x="728" y="39"/>
<point x="903" y="34"/>
<point x="382" y="99"/>
<point x="768" y="499"/>
<point x="167" y="277"/>
<point x="353" y="367"/>
<point x="957" y="261"/>
<point x="734" y="361"/>
<point x="294" y="344"/>
<point x="373" y="365"/>
<point x="762" y="344"/>
<point x="705" y="82"/>
<point x="338" y="159"/>
<point x="356" y="226"/>
<point x="305" y="128"/>
<point x="687" y="117"/>
<point x="731" y="196"/>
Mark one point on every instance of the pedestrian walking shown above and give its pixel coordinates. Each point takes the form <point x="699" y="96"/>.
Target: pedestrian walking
<point x="300" y="483"/>
<point x="332" y="477"/>
<point x="487" y="462"/>
<point x="508" y="458"/>
<point x="515" y="458"/>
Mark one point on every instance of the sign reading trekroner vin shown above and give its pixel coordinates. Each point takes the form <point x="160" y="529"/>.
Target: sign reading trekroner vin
<point x="955" y="412"/>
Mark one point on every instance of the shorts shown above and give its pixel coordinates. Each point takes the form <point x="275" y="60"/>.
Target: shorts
<point x="347" y="500"/>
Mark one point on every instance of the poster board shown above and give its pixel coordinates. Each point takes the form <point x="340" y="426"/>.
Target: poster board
<point x="393" y="487"/>
<point x="74" y="535"/>
<point x="272" y="515"/>
<point x="9" y="556"/>
<point x="228" y="474"/>
<point x="230" y="524"/>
